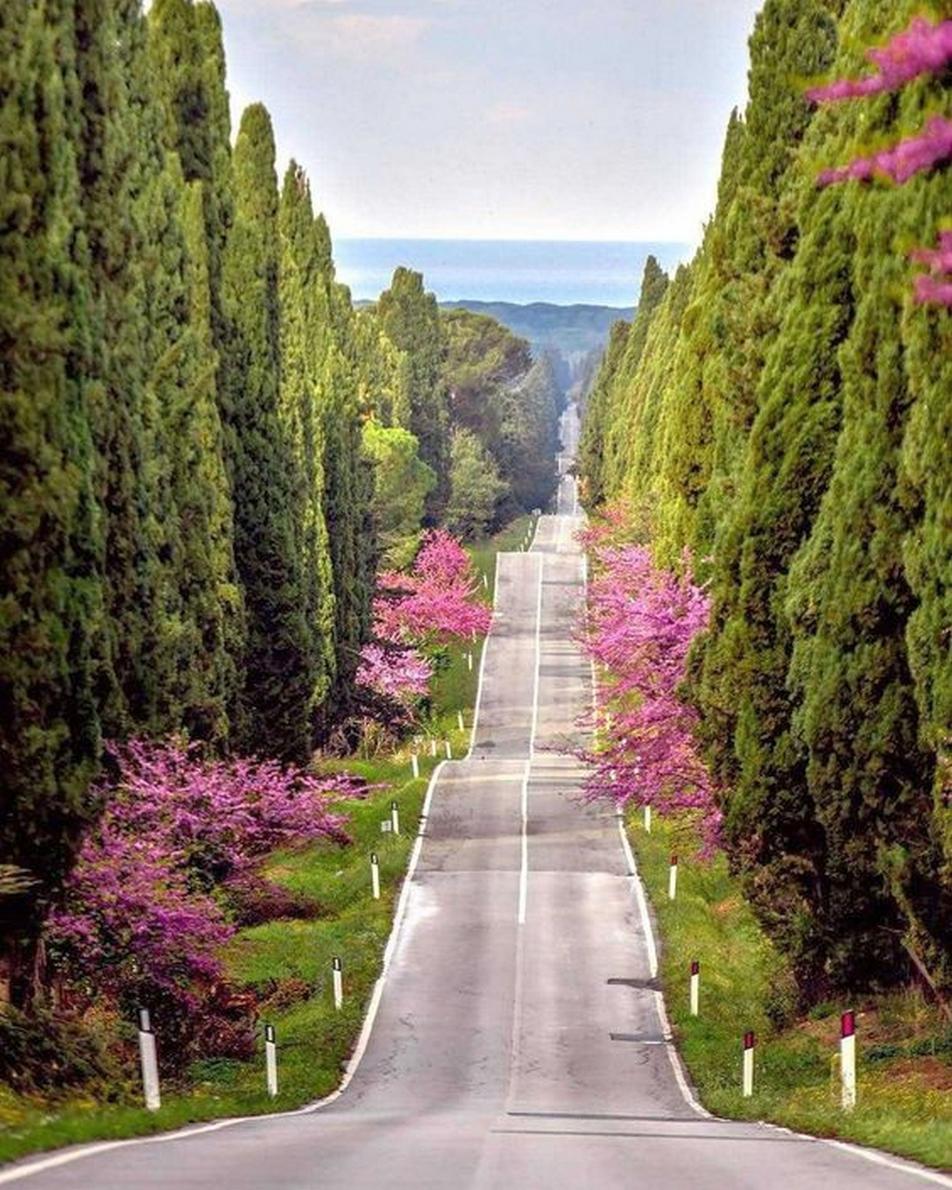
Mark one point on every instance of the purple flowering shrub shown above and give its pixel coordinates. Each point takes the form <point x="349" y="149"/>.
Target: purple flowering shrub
<point x="143" y="921"/>
<point x="922" y="48"/>
<point x="638" y="628"/>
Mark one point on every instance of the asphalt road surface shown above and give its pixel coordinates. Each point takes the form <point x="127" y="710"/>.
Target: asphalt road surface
<point x="519" y="1040"/>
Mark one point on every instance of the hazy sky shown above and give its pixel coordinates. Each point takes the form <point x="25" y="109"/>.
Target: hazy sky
<point x="542" y="119"/>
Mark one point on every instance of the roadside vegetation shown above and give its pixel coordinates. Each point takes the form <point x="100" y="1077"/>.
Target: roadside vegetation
<point x="281" y="963"/>
<point x="904" y="1070"/>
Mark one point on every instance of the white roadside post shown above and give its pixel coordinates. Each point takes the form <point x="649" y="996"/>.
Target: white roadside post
<point x="695" y="986"/>
<point x="149" y="1062"/>
<point x="338" y="983"/>
<point x="395" y="818"/>
<point x="673" y="878"/>
<point x="375" y="875"/>
<point x="648" y="819"/>
<point x="748" y="1065"/>
<point x="485" y="582"/>
<point x="415" y="764"/>
<point x="469" y="662"/>
<point x="433" y="747"/>
<point x="848" y="1059"/>
<point x="449" y="750"/>
<point x="270" y="1060"/>
<point x="459" y="720"/>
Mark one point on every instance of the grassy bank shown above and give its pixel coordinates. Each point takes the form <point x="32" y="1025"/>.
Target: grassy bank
<point x="287" y="963"/>
<point x="904" y="1044"/>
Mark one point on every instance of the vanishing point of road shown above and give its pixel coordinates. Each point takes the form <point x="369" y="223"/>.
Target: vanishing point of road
<point x="518" y="1039"/>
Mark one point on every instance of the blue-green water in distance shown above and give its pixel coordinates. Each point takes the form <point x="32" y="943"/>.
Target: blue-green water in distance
<point x="558" y="271"/>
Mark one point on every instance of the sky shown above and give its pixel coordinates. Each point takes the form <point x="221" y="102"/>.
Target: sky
<point x="508" y="119"/>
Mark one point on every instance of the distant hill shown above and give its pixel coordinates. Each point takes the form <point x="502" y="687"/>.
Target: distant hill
<point x="575" y="336"/>
<point x="571" y="330"/>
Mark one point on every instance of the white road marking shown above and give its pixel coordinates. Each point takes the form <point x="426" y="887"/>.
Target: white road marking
<point x="524" y="868"/>
<point x="538" y="660"/>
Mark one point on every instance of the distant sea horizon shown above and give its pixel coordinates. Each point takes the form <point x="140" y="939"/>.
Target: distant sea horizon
<point x="562" y="272"/>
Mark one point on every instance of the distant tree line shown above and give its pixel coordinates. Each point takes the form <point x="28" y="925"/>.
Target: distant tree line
<point x="782" y="410"/>
<point x="203" y="443"/>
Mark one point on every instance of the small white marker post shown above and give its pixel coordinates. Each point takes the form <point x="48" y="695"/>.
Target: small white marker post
<point x="270" y="1060"/>
<point x="695" y="986"/>
<point x="432" y="747"/>
<point x="848" y="1059"/>
<point x="415" y="764"/>
<point x="673" y="878"/>
<point x="469" y="662"/>
<point x="748" y="1087"/>
<point x="395" y="818"/>
<point x="459" y="720"/>
<point x="149" y="1062"/>
<point x="375" y="875"/>
<point x="486" y="582"/>
<point x="338" y="983"/>
<point x="648" y="819"/>
<point x="449" y="750"/>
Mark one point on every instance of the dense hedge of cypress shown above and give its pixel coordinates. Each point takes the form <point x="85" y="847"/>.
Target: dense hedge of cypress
<point x="784" y="413"/>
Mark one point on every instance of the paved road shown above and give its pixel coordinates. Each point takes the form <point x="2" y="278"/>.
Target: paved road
<point x="518" y="1041"/>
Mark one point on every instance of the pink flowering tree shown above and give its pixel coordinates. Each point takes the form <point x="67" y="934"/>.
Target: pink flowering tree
<point x="143" y="921"/>
<point x="638" y="627"/>
<point x="922" y="48"/>
<point x="417" y="614"/>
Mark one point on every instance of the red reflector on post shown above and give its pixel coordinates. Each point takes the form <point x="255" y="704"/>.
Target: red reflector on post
<point x="748" y="1041"/>
<point x="695" y="967"/>
<point x="674" y="861"/>
<point x="847" y="1024"/>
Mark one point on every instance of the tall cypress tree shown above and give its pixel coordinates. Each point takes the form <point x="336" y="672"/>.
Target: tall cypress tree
<point x="278" y="689"/>
<point x="306" y="333"/>
<point x="51" y="591"/>
<point x="410" y="318"/>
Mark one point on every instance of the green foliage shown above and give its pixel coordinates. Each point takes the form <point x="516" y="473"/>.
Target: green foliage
<point x="475" y="487"/>
<point x="401" y="483"/>
<point x="410" y="319"/>
<point x="510" y="403"/>
<point x="278" y="671"/>
<point x="784" y="415"/>
<point x="51" y="595"/>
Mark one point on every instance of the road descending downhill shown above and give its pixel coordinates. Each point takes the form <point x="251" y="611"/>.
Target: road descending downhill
<point x="519" y="1040"/>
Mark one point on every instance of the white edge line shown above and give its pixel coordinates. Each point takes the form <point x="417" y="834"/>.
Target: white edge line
<point x="524" y="868"/>
<point x="538" y="661"/>
<point x="67" y="1156"/>
<point x="677" y="1066"/>
<point x="873" y="1155"/>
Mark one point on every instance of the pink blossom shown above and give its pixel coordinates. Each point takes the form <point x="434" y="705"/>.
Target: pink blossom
<point x="639" y="625"/>
<point x="933" y="291"/>
<point x="398" y="673"/>
<point x="436" y="602"/>
<point x="920" y="49"/>
<point x="901" y="161"/>
<point x="140" y="922"/>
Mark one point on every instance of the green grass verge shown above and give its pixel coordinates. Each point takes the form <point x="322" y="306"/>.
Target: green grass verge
<point x="904" y="1045"/>
<point x="288" y="963"/>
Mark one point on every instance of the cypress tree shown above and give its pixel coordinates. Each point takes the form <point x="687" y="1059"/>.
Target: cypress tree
<point x="278" y="689"/>
<point x="869" y="774"/>
<point x="410" y="318"/>
<point x="51" y="592"/>
<point x="597" y="416"/>
<point x="624" y="409"/>
<point x="305" y="336"/>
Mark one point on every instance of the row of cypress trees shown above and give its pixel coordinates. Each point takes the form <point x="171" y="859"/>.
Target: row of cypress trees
<point x="782" y="409"/>
<point x="186" y="540"/>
